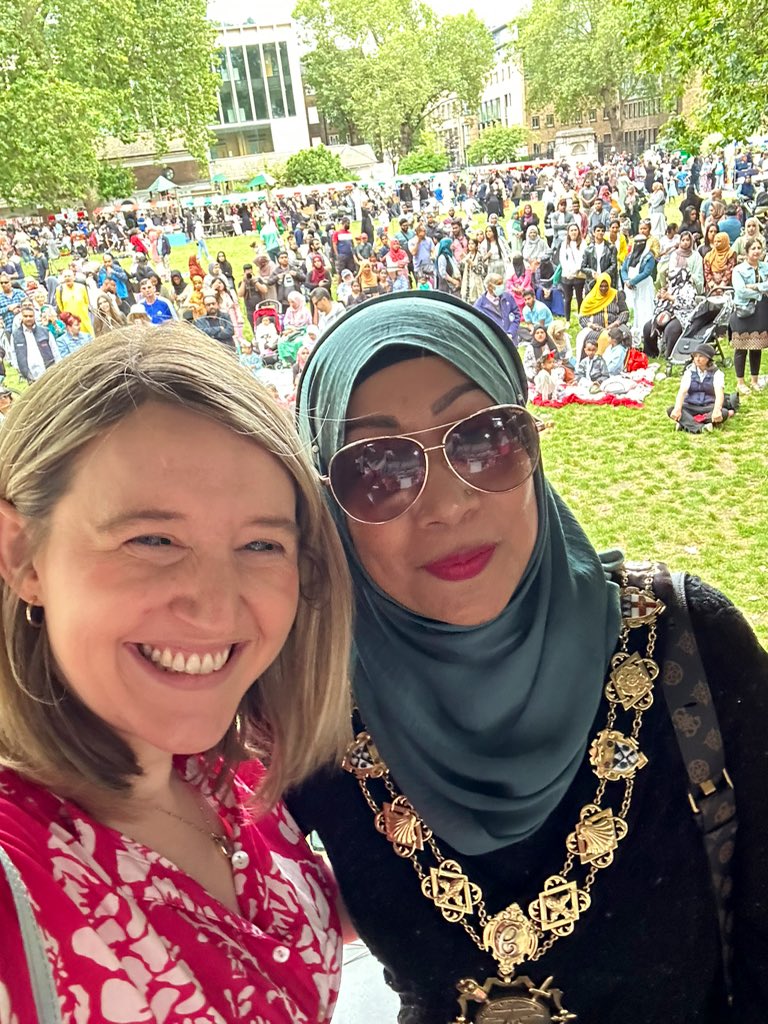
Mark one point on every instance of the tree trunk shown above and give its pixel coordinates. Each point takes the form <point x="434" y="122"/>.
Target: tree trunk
<point x="406" y="139"/>
<point x="613" y="101"/>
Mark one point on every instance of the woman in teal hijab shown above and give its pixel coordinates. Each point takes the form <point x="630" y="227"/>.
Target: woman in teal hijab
<point x="485" y="633"/>
<point x="448" y="276"/>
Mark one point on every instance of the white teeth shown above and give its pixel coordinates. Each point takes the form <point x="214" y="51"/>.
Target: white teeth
<point x="193" y="665"/>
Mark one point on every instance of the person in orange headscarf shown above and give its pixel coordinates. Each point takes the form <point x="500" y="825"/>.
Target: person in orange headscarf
<point x="194" y="268"/>
<point x="718" y="264"/>
<point x="603" y="307"/>
<point x="192" y="299"/>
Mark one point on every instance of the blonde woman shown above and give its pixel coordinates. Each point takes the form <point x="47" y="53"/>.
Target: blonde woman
<point x="175" y="622"/>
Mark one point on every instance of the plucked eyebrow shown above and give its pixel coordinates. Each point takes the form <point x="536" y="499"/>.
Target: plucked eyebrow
<point x="380" y="421"/>
<point x="158" y="515"/>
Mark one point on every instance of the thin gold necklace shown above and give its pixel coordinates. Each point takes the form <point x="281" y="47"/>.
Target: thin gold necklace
<point x="222" y="840"/>
<point x="512" y="936"/>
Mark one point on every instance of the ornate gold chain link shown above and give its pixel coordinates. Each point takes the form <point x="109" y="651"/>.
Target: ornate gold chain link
<point x="512" y="936"/>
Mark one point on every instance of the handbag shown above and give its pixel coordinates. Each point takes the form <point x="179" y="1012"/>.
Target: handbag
<point x="746" y="309"/>
<point x="40" y="975"/>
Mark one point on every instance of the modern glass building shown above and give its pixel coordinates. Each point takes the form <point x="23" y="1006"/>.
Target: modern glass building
<point x="261" y="101"/>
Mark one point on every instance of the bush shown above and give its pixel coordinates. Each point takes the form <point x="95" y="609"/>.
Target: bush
<point x="424" y="160"/>
<point x="496" y="146"/>
<point x="315" y="166"/>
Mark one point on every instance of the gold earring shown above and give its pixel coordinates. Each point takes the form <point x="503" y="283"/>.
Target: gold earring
<point x="34" y="614"/>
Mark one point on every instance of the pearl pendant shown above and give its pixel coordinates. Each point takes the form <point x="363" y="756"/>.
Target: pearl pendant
<point x="240" y="860"/>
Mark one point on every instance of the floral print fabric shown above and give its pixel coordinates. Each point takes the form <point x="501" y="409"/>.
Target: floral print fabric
<point x="133" y="940"/>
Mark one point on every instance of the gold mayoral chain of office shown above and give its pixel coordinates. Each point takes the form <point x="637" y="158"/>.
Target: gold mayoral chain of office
<point x="513" y="936"/>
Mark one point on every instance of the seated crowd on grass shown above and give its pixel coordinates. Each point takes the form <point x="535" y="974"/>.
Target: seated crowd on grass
<point x="579" y="287"/>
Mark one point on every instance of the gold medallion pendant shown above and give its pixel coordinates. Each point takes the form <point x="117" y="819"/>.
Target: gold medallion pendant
<point x="511" y="1001"/>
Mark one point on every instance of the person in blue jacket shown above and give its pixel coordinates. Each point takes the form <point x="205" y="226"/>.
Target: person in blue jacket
<point x="500" y="306"/>
<point x="111" y="269"/>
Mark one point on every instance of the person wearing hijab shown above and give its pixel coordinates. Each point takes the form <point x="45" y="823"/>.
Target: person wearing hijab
<point x="226" y="268"/>
<point x="178" y="287"/>
<point x="603" y="307"/>
<point x="195" y="270"/>
<point x="448" y="272"/>
<point x="637" y="274"/>
<point x="657" y="202"/>
<point x="486" y="634"/>
<point x="319" y="275"/>
<point x="718" y="264"/>
<point x="685" y="257"/>
<point x="535" y="249"/>
<point x="519" y="281"/>
<point x="297" y="317"/>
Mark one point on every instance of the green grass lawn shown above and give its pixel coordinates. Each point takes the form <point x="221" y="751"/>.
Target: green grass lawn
<point x="696" y="502"/>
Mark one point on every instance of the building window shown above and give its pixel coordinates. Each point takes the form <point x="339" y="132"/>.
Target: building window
<point x="536" y="149"/>
<point x="272" y="70"/>
<point x="258" y="88"/>
<point x="607" y="138"/>
<point x="333" y="140"/>
<point x="244" y="111"/>
<point x="550" y="122"/>
<point x="287" y="79"/>
<point x="245" y="142"/>
<point x="257" y="140"/>
<point x="535" y="121"/>
<point x="226" y="95"/>
<point x="592" y="115"/>
<point x="605" y="113"/>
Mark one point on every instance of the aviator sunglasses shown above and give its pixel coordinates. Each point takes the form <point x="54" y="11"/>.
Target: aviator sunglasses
<point x="377" y="479"/>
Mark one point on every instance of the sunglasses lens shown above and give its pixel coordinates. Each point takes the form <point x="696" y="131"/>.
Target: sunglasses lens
<point x="376" y="481"/>
<point x="495" y="450"/>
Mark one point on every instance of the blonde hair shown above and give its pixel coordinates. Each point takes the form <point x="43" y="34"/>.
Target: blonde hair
<point x="296" y="715"/>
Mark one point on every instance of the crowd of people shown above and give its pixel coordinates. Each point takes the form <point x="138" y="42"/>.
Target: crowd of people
<point x="631" y="281"/>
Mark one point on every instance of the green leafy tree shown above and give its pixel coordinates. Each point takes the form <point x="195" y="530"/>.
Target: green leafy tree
<point x="427" y="159"/>
<point x="496" y="146"/>
<point x="574" y="57"/>
<point x="114" y="181"/>
<point x="711" y="50"/>
<point x="383" y="68"/>
<point x="314" y="167"/>
<point x="75" y="72"/>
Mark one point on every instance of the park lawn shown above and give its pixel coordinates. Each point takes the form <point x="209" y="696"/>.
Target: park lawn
<point x="696" y="502"/>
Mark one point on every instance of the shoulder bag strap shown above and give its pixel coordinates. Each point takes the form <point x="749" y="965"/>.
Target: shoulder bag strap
<point x="41" y="977"/>
<point x="697" y="730"/>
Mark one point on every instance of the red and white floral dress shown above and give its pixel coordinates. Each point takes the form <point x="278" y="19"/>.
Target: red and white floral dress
<point x="132" y="939"/>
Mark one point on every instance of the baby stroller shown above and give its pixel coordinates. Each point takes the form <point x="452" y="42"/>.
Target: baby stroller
<point x="266" y="333"/>
<point x="709" y="324"/>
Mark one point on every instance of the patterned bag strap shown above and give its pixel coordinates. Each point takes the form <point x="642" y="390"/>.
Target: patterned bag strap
<point x="697" y="730"/>
<point x="41" y="978"/>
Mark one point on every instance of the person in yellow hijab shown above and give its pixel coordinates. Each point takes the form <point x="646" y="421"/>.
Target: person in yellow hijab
<point x="602" y="308"/>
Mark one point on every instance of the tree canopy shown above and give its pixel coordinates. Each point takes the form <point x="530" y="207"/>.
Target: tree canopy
<point x="314" y="167"/>
<point x="74" y="72"/>
<point x="574" y="58"/>
<point x="383" y="68"/>
<point x="114" y="181"/>
<point x="714" y="48"/>
<point x="496" y="145"/>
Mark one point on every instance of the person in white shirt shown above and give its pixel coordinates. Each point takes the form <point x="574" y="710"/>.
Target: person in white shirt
<point x="32" y="348"/>
<point x="327" y="310"/>
<point x="701" y="402"/>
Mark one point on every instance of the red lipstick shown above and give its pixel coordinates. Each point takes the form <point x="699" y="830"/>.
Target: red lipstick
<point x="463" y="565"/>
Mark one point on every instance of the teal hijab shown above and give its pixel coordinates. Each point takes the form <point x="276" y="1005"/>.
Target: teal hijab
<point x="483" y="727"/>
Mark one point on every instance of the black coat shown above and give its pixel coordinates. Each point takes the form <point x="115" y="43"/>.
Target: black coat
<point x="648" y="950"/>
